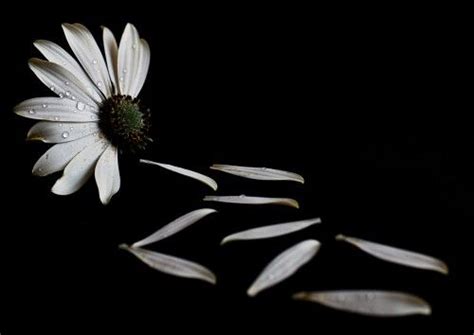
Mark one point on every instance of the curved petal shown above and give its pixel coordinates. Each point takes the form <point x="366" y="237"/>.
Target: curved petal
<point x="59" y="155"/>
<point x="79" y="169"/>
<point x="55" y="54"/>
<point x="88" y="53"/>
<point x="57" y="132"/>
<point x="111" y="56"/>
<point x="142" y="70"/>
<point x="106" y="174"/>
<point x="56" y="109"/>
<point x="61" y="81"/>
<point x="128" y="59"/>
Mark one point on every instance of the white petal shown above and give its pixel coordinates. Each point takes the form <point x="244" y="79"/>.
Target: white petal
<point x="243" y="199"/>
<point x="61" y="81"/>
<point x="271" y="231"/>
<point x="57" y="132"/>
<point x="59" y="155"/>
<point x="56" y="109"/>
<point x="128" y="59"/>
<point x="106" y="174"/>
<point x="373" y="303"/>
<point x="79" y="169"/>
<point x="111" y="56"/>
<point x="258" y="173"/>
<point x="55" y="54"/>
<point x="175" y="226"/>
<point x="172" y="265"/>
<point x="142" y="70"/>
<point x="185" y="172"/>
<point x="284" y="265"/>
<point x="88" y="53"/>
<point x="395" y="255"/>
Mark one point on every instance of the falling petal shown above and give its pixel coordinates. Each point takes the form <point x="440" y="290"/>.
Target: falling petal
<point x="188" y="173"/>
<point x="172" y="265"/>
<point x="258" y="173"/>
<point x="395" y="255"/>
<point x="175" y="226"/>
<point x="284" y="265"/>
<point x="271" y="231"/>
<point x="373" y="303"/>
<point x="243" y="199"/>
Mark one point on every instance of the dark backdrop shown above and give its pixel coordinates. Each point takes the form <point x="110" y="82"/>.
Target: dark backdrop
<point x="365" y="103"/>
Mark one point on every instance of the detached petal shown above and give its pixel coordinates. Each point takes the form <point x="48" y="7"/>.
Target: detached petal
<point x="371" y="303"/>
<point x="88" y="53"/>
<point x="79" y="169"/>
<point x="172" y="265"/>
<point x="246" y="200"/>
<point x="185" y="172"/>
<point x="106" y="174"/>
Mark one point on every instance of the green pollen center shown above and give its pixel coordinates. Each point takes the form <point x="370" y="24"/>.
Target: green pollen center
<point x="125" y="122"/>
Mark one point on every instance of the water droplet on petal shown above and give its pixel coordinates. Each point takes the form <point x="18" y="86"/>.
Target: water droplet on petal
<point x="60" y="125"/>
<point x="124" y="70"/>
<point x="71" y="128"/>
<point x="93" y="117"/>
<point x="45" y="105"/>
<point x="121" y="78"/>
<point x="134" y="46"/>
<point x="94" y="61"/>
<point x="66" y="83"/>
<point x="68" y="93"/>
<point x="80" y="106"/>
<point x="242" y="196"/>
<point x="73" y="97"/>
<point x="56" y="118"/>
<point x="99" y="84"/>
<point x="65" y="134"/>
<point x="31" y="111"/>
<point x="61" y="95"/>
<point x="52" y="88"/>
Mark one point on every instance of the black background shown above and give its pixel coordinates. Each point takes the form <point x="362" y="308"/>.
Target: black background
<point x="366" y="103"/>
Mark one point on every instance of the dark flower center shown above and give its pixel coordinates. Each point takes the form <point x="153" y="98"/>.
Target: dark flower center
<point x="125" y="122"/>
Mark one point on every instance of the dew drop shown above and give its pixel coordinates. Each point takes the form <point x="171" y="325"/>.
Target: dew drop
<point x="94" y="61"/>
<point x="61" y="95"/>
<point x="134" y="46"/>
<point x="60" y="125"/>
<point x="44" y="105"/>
<point x="93" y="117"/>
<point x="31" y="112"/>
<point x="71" y="128"/>
<point x="242" y="196"/>
<point x="73" y="97"/>
<point x="66" y="83"/>
<point x="99" y="84"/>
<point x="65" y="134"/>
<point x="121" y="78"/>
<point x="52" y="88"/>
<point x="68" y="93"/>
<point x="124" y="70"/>
<point x="56" y="118"/>
<point x="80" y="106"/>
<point x="264" y="169"/>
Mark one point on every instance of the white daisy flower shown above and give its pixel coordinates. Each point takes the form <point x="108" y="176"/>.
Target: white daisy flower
<point x="96" y="111"/>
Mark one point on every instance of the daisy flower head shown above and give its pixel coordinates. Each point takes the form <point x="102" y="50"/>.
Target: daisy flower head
<point x="96" y="112"/>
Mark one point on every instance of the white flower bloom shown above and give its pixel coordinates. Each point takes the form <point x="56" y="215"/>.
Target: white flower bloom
<point x="97" y="110"/>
